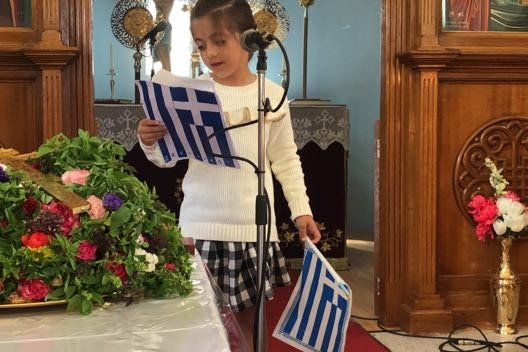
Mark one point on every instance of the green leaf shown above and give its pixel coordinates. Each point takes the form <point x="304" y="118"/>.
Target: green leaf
<point x="56" y="294"/>
<point x="74" y="303"/>
<point x="86" y="306"/>
<point x="69" y="291"/>
<point x="119" y="217"/>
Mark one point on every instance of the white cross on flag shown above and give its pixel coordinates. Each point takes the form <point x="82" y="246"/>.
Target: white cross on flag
<point x="317" y="314"/>
<point x="190" y="115"/>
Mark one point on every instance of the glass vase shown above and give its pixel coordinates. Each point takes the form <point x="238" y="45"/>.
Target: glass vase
<point x="505" y="289"/>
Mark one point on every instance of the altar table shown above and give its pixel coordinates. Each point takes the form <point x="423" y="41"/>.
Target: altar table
<point x="192" y="323"/>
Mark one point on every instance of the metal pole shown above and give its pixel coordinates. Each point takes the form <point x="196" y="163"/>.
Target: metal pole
<point x="137" y="72"/>
<point x="261" y="209"/>
<point x="305" y="52"/>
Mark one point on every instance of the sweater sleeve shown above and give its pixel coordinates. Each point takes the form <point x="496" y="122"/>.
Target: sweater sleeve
<point x="153" y="154"/>
<point x="286" y="165"/>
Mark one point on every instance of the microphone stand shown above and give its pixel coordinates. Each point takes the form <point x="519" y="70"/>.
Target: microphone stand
<point x="261" y="205"/>
<point x="137" y="71"/>
<point x="152" y="43"/>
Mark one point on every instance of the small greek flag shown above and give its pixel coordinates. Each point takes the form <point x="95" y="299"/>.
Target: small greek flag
<point x="317" y="314"/>
<point x="190" y="115"/>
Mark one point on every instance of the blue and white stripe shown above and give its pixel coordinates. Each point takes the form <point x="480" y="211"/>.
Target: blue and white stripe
<point x="317" y="315"/>
<point x="190" y="115"/>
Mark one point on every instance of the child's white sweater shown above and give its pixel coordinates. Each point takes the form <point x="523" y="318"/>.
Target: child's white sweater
<point x="219" y="201"/>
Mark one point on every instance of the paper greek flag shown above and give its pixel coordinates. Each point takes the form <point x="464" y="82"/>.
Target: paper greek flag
<point x="190" y="115"/>
<point x="317" y="314"/>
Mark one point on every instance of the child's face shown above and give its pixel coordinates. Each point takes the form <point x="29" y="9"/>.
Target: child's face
<point x="221" y="52"/>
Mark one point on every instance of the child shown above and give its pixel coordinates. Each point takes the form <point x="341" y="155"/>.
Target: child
<point x="218" y="209"/>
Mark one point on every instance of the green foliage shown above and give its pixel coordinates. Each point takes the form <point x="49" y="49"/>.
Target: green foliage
<point x="141" y="237"/>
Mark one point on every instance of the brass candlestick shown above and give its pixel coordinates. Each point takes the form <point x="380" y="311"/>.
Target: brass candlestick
<point x="306" y="4"/>
<point x="112" y="74"/>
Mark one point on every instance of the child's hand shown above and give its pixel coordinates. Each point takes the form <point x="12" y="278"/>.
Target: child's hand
<point x="307" y="227"/>
<point x="150" y="131"/>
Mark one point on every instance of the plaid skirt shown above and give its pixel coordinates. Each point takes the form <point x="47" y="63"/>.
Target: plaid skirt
<point x="233" y="265"/>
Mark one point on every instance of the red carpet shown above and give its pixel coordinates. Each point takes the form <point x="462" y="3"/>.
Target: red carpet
<point x="357" y="340"/>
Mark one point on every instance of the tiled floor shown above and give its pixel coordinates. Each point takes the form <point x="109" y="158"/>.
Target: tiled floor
<point x="360" y="277"/>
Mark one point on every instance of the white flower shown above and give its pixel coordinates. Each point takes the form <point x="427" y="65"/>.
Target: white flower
<point x="496" y="179"/>
<point x="3" y="167"/>
<point x="499" y="227"/>
<point x="515" y="223"/>
<point x="507" y="206"/>
<point x="139" y="252"/>
<point x="140" y="240"/>
<point x="150" y="259"/>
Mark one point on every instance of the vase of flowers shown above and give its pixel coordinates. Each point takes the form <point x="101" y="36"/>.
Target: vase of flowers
<point x="502" y="217"/>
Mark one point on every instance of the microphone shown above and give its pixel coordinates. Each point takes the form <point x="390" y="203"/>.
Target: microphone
<point x="252" y="40"/>
<point x="160" y="27"/>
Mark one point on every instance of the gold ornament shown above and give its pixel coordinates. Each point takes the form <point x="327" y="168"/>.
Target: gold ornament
<point x="266" y="21"/>
<point x="306" y="3"/>
<point x="137" y="22"/>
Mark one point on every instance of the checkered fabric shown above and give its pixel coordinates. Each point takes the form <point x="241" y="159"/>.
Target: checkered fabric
<point x="234" y="267"/>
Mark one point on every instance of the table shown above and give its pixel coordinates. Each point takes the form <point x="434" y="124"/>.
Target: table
<point x="185" y="324"/>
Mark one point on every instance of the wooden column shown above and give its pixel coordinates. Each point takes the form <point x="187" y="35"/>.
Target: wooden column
<point x="52" y="62"/>
<point x="423" y="309"/>
<point x="439" y="88"/>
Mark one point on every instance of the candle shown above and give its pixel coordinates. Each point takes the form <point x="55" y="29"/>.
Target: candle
<point x="111" y="58"/>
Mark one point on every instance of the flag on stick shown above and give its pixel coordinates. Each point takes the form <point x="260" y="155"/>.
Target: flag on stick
<point x="317" y="314"/>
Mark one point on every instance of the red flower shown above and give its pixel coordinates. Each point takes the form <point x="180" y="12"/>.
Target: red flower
<point x="118" y="270"/>
<point x="33" y="289"/>
<point x="4" y="223"/>
<point x="170" y="266"/>
<point x="30" y="205"/>
<point x="86" y="251"/>
<point x="70" y="221"/>
<point x="1" y="286"/>
<point x="35" y="240"/>
<point x="484" y="213"/>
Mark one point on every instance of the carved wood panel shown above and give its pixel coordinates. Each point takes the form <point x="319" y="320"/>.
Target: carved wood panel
<point x="505" y="141"/>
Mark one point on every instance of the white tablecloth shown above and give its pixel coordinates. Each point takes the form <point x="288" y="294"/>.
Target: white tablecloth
<point x="192" y="323"/>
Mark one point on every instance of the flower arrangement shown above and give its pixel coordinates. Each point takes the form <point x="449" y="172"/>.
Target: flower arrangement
<point x="502" y="214"/>
<point x="127" y="246"/>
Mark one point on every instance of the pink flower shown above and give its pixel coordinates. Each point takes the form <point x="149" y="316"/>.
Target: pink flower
<point x="78" y="176"/>
<point x="484" y="209"/>
<point x="33" y="289"/>
<point x="86" y="251"/>
<point x="513" y="196"/>
<point x="484" y="213"/>
<point x="482" y="230"/>
<point x="97" y="209"/>
<point x="1" y="286"/>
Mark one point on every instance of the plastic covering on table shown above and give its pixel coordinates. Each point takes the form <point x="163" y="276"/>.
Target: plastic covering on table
<point x="191" y="323"/>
